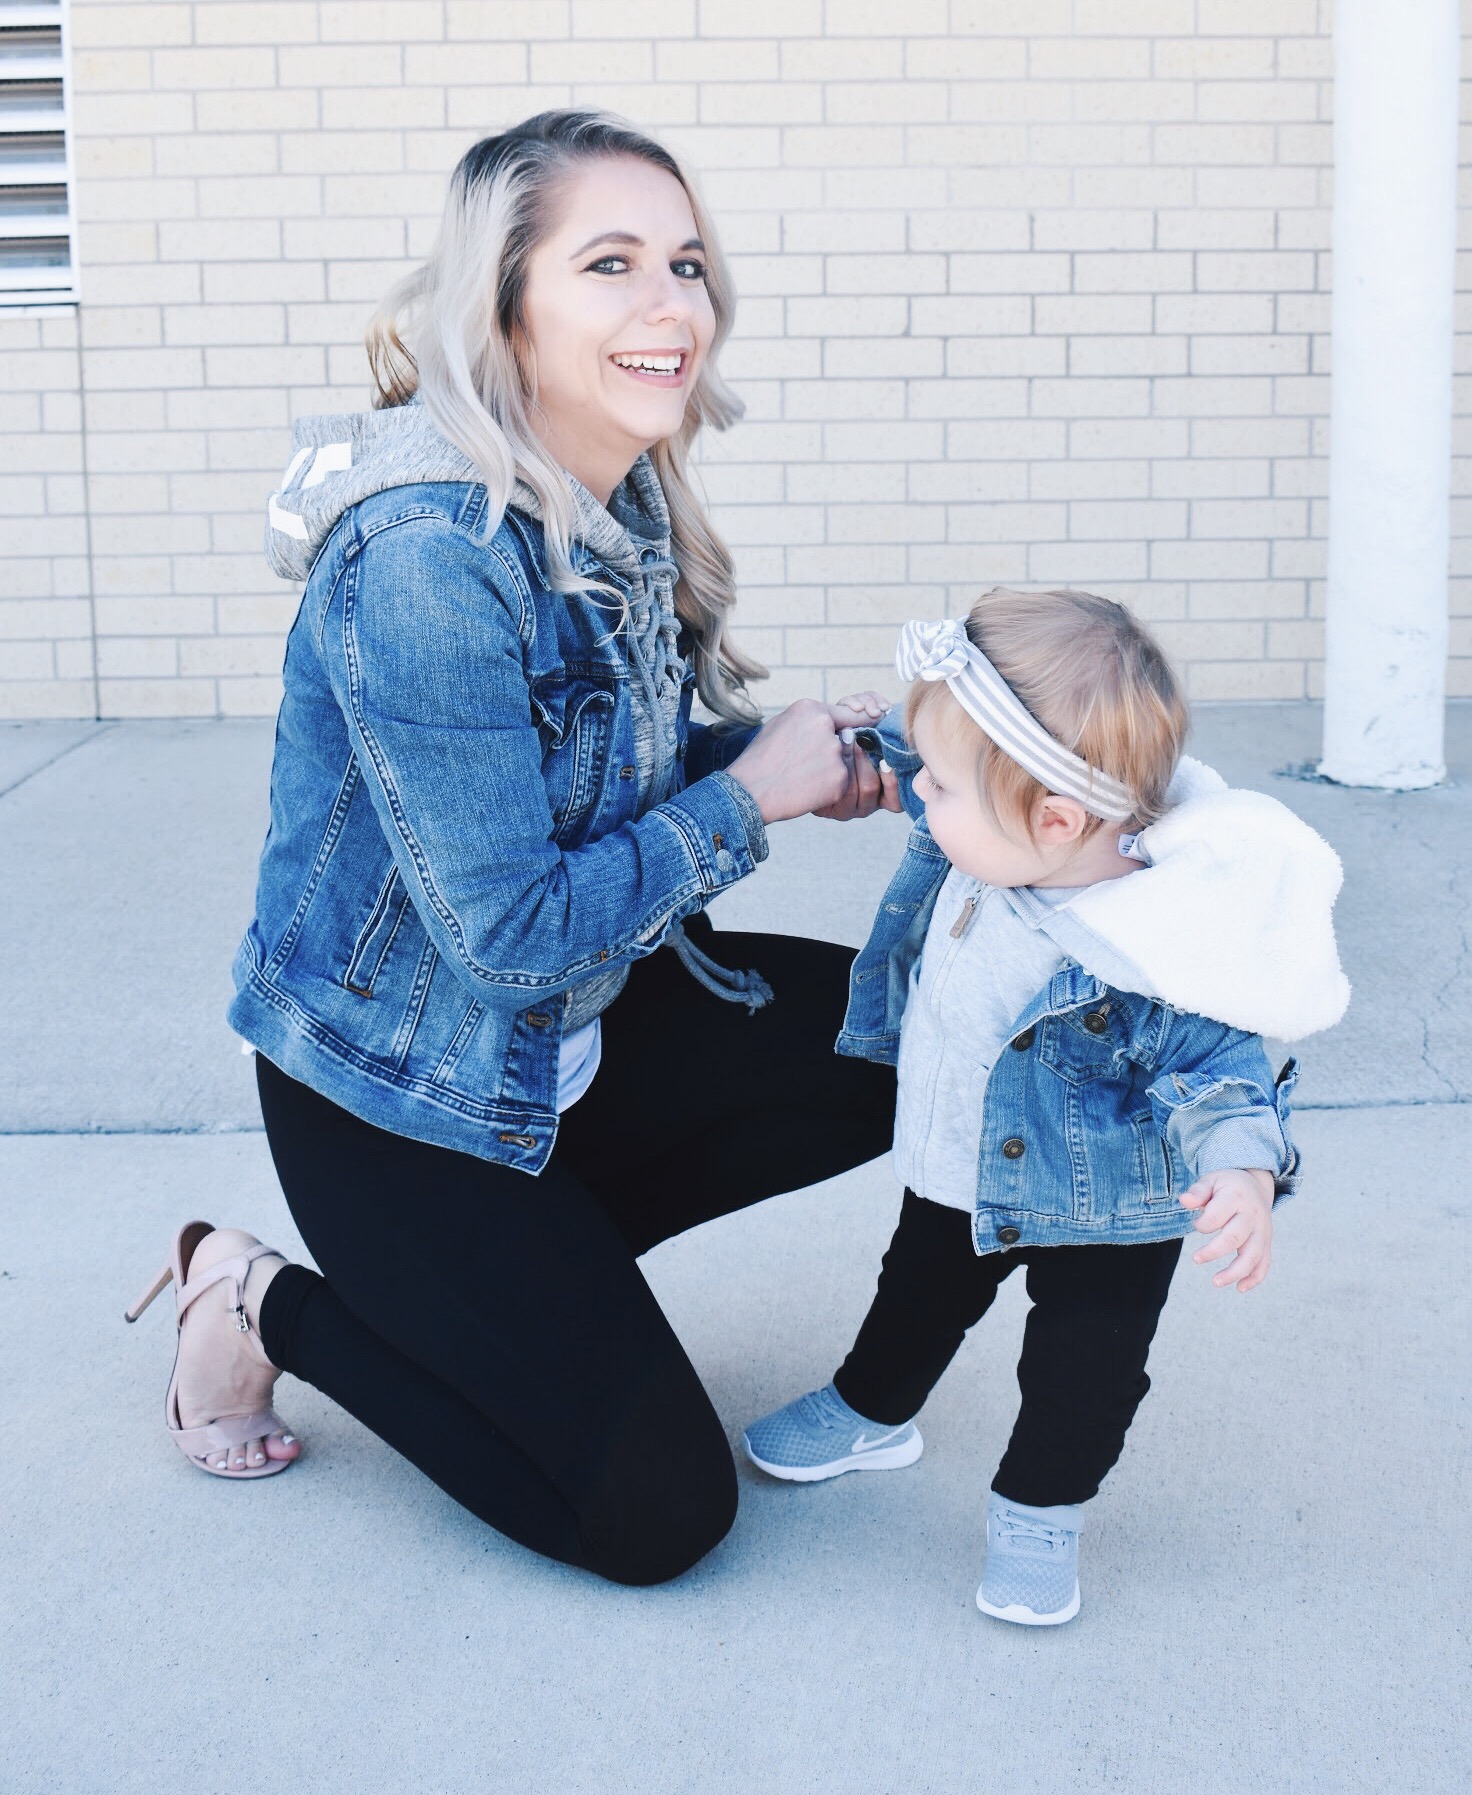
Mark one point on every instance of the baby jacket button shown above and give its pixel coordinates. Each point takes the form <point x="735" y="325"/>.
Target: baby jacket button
<point x="1096" y="1022"/>
<point x="1025" y="1040"/>
<point x="1009" y="1237"/>
<point x="1014" y="1148"/>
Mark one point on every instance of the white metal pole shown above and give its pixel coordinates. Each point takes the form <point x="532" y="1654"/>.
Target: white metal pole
<point x="1395" y="196"/>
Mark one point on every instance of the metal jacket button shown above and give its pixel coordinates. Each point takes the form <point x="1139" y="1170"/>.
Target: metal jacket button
<point x="1014" y="1148"/>
<point x="626" y="772"/>
<point x="1025" y="1040"/>
<point x="519" y="1140"/>
<point x="1009" y="1237"/>
<point x="539" y="1019"/>
<point x="1096" y="1022"/>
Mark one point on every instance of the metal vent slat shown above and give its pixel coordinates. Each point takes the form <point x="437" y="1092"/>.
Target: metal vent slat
<point x="36" y="224"/>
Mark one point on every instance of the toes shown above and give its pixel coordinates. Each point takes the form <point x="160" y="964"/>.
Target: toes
<point x="255" y="1453"/>
<point x="282" y="1445"/>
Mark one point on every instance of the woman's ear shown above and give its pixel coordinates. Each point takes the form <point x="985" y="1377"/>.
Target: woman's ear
<point x="1060" y="821"/>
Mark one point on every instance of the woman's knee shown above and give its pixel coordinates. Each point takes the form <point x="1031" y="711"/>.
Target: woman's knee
<point x="663" y="1499"/>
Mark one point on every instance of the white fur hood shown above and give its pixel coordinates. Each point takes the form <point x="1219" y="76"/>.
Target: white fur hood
<point x="1232" y="918"/>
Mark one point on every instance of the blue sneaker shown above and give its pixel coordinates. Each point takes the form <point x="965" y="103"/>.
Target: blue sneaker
<point x="820" y="1436"/>
<point x="1031" y="1574"/>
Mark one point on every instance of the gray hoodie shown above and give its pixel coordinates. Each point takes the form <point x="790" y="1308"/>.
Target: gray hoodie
<point x="341" y="460"/>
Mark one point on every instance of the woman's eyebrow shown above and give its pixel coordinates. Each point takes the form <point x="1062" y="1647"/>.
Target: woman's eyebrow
<point x="625" y="237"/>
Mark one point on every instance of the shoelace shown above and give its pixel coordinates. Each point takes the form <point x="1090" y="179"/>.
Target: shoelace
<point x="817" y="1406"/>
<point x="1034" y="1536"/>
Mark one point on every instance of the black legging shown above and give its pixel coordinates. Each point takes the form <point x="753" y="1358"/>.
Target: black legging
<point x="1084" y="1346"/>
<point x="496" y="1329"/>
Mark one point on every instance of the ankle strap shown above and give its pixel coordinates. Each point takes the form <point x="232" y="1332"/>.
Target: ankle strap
<point x="234" y="1270"/>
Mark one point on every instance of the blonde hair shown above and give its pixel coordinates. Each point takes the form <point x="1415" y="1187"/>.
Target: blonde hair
<point x="453" y="332"/>
<point x="1095" y="679"/>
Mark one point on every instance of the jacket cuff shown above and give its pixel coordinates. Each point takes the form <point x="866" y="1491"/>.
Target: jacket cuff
<point x="722" y="827"/>
<point x="1249" y="1143"/>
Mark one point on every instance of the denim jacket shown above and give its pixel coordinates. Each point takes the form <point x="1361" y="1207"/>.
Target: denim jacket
<point x="454" y="840"/>
<point x="1109" y="1102"/>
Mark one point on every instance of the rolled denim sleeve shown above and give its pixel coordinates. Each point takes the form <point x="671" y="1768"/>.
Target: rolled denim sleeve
<point x="1221" y="1108"/>
<point x="902" y="757"/>
<point x="713" y="746"/>
<point x="438" y="716"/>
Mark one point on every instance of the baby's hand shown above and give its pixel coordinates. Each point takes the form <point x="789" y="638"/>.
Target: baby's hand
<point x="1238" y="1207"/>
<point x="858" y="709"/>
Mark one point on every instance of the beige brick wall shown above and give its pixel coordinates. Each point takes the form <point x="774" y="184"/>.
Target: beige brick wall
<point x="1032" y="290"/>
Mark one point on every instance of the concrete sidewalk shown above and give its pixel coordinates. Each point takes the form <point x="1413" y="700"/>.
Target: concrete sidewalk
<point x="1274" y="1592"/>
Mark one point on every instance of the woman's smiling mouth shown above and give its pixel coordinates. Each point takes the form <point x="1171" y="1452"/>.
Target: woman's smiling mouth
<point x="657" y="367"/>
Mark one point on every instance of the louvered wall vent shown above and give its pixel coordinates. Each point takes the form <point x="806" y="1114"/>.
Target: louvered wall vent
<point x="37" y="239"/>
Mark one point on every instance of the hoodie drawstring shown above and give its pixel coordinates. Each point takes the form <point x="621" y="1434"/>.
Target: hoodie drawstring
<point x="749" y="988"/>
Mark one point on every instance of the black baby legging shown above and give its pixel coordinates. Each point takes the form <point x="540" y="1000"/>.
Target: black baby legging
<point x="496" y="1329"/>
<point x="1082" y="1370"/>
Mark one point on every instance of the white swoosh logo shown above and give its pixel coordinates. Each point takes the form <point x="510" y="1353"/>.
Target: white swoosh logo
<point x="866" y="1445"/>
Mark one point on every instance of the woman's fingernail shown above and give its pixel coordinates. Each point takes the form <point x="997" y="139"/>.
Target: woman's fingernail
<point x="288" y="1439"/>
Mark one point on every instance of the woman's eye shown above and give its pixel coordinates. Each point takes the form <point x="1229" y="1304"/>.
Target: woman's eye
<point x="688" y="269"/>
<point x="609" y="265"/>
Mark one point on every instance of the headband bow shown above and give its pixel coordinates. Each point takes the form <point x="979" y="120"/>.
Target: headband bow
<point x="939" y="650"/>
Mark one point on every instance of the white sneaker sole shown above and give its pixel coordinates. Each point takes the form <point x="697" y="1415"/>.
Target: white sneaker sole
<point x="1025" y="1617"/>
<point x="882" y="1458"/>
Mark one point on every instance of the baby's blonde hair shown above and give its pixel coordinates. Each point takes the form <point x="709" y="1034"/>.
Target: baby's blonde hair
<point x="1095" y="679"/>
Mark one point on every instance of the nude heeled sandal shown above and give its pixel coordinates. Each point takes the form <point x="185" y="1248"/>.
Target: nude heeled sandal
<point x="199" y="1444"/>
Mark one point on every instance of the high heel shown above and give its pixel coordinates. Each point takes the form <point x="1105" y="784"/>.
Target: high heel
<point x="227" y="1432"/>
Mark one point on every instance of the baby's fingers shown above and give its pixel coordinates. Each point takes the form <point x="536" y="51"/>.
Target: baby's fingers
<point x="1230" y="1240"/>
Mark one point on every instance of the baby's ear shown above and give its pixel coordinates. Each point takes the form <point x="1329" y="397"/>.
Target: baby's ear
<point x="1060" y="820"/>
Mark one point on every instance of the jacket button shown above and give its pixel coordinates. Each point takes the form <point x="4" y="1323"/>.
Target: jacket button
<point x="1014" y="1148"/>
<point x="1025" y="1039"/>
<point x="519" y="1140"/>
<point x="626" y="772"/>
<point x="1009" y="1237"/>
<point x="1096" y="1022"/>
<point x="539" y="1019"/>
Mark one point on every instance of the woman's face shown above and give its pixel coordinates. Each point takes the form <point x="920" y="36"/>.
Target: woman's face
<point x="617" y="318"/>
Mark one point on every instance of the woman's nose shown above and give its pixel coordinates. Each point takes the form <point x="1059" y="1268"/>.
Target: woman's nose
<point x="669" y="300"/>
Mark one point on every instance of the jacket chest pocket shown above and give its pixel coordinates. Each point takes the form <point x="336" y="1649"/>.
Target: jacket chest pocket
<point x="574" y="718"/>
<point x="1080" y="1046"/>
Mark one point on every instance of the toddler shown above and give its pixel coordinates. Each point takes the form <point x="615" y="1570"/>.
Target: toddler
<point x="1072" y="969"/>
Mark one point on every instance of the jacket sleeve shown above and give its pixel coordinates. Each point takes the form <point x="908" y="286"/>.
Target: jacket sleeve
<point x="902" y="757"/>
<point x="1219" y="1106"/>
<point x="420" y="639"/>
<point x="711" y="747"/>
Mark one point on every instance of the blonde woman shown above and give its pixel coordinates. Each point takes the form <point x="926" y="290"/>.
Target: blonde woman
<point x="500" y="1052"/>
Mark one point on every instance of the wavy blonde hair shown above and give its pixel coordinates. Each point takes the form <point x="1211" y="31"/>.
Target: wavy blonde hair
<point x="1092" y="675"/>
<point x="450" y="332"/>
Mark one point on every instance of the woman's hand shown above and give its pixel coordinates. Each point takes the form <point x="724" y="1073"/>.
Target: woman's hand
<point x="1238" y="1208"/>
<point x="796" y="763"/>
<point x="869" y="788"/>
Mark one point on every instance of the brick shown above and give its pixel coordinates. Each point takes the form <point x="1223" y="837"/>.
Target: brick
<point x="883" y="442"/>
<point x="1202" y="478"/>
<point x="111" y="71"/>
<point x="1255" y="273"/>
<point x="1091" y="143"/>
<point x="152" y="616"/>
<point x="1129" y="272"/>
<point x="121" y="202"/>
<point x="858" y="482"/>
<point x="1093" y="314"/>
<point x="746" y="103"/>
<point x="224" y="323"/>
<point x="1004" y="357"/>
<point x="1017" y="187"/>
<point x="965" y="145"/>
<point x="95" y="27"/>
<point x="239" y="154"/>
<point x="1141" y="519"/>
<point x="43" y="619"/>
<point x="1230" y="188"/>
<point x="1092" y="564"/>
<point x="1134" y="101"/>
<point x="1124" y="189"/>
<point x="720" y="60"/>
<point x="1249" y="355"/>
<point x="1149" y="18"/>
<point x="886" y="523"/>
<point x="1086" y="398"/>
<point x="140" y="657"/>
<point x="876" y="17"/>
<point x="1014" y="18"/>
<point x="145" y="368"/>
<point x="373" y="21"/>
<point x="990" y="64"/>
<point x="915" y="274"/>
<point x="200" y="69"/>
<point x="120" y="326"/>
<point x="828" y="400"/>
<point x="1089" y="479"/>
<point x="132" y="115"/>
<point x="885" y="102"/>
<point x="156" y="698"/>
<point x="1204" y="396"/>
<point x="955" y="229"/>
<point x="1128" y="439"/>
<point x="1249" y="436"/>
<point x="46" y="698"/>
<point x="1281" y="101"/>
<point x="405" y="109"/>
<point x="1252" y="598"/>
<point x="506" y="18"/>
<point x="1127" y="355"/>
<point x="1190" y="58"/>
<point x="915" y="189"/>
<point x="268" y="21"/>
<point x="1000" y="522"/>
<point x="838" y="315"/>
<point x="1215" y="314"/>
<point x="1010" y="441"/>
<point x="846" y="146"/>
<point x="1206" y="680"/>
<point x="974" y="398"/>
<point x="882" y="604"/>
<point x="761" y="18"/>
<point x="280" y="109"/>
<point x="1209" y="560"/>
<point x="209" y="240"/>
<point x="1006" y="273"/>
<point x="1249" y="518"/>
<point x="1257" y="18"/>
<point x="1200" y="229"/>
<point x="817" y="233"/>
<point x="1094" y="229"/>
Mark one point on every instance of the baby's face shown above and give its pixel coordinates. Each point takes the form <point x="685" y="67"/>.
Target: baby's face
<point x="964" y="830"/>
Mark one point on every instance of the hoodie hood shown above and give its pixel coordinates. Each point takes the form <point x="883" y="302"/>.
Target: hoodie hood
<point x="340" y="460"/>
<point x="1232" y="916"/>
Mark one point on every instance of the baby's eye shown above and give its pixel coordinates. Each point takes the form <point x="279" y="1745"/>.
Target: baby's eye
<point x="688" y="268"/>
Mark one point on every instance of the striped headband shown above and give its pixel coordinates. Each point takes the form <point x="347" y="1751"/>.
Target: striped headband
<point x="943" y="650"/>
